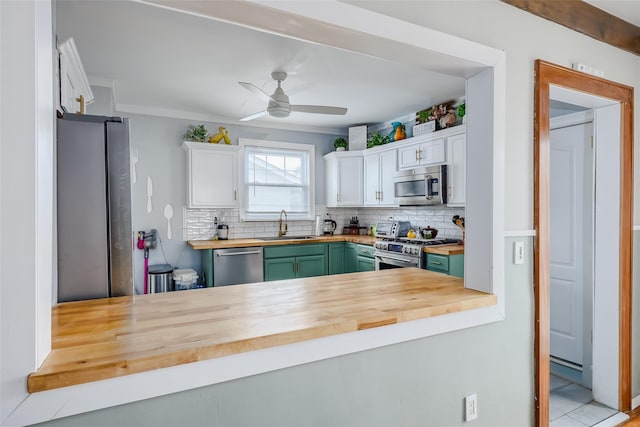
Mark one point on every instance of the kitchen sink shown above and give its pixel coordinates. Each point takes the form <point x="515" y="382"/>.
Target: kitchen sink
<point x="287" y="238"/>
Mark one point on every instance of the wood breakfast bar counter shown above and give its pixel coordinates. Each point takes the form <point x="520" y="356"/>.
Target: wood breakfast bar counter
<point x="106" y="338"/>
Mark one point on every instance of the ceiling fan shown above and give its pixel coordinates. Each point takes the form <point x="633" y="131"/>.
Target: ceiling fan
<point x="279" y="102"/>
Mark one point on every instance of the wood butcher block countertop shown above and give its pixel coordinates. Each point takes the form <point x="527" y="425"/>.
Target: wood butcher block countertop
<point x="445" y="249"/>
<point x="246" y="243"/>
<point x="105" y="338"/>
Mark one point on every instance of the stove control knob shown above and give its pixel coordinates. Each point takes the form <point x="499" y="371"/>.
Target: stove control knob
<point x="415" y="251"/>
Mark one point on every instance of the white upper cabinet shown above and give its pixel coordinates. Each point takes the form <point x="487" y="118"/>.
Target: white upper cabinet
<point x="456" y="169"/>
<point x="379" y="169"/>
<point x="75" y="91"/>
<point x="344" y="179"/>
<point x="211" y="175"/>
<point x="421" y="154"/>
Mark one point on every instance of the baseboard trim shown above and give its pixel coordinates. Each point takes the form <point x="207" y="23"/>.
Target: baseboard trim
<point x="635" y="402"/>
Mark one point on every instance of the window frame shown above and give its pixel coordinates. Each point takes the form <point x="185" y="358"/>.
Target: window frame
<point x="309" y="149"/>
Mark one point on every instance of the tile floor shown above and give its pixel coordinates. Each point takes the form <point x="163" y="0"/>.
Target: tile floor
<point x="571" y="405"/>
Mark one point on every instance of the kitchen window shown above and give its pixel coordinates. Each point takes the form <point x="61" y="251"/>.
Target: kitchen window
<point x="276" y="176"/>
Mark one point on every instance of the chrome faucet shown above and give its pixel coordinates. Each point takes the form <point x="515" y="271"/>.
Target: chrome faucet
<point x="282" y="232"/>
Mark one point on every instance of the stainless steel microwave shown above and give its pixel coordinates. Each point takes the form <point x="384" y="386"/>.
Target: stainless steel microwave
<point x="423" y="186"/>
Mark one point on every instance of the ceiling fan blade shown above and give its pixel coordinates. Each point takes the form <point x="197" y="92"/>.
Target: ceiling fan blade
<point x="319" y="109"/>
<point x="254" y="116"/>
<point x="256" y="91"/>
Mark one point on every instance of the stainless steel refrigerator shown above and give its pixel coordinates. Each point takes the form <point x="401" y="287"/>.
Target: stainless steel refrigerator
<point x="94" y="232"/>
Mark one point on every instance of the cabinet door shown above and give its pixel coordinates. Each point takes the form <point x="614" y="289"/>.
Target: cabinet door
<point x="74" y="85"/>
<point x="432" y="152"/>
<point x="212" y="180"/>
<point x="336" y="258"/>
<point x="365" y="263"/>
<point x="388" y="168"/>
<point x="372" y="179"/>
<point x="409" y="156"/>
<point x="456" y="170"/>
<point x="279" y="269"/>
<point x="350" y="182"/>
<point x="350" y="258"/>
<point x="456" y="265"/>
<point x="312" y="265"/>
<point x="331" y="182"/>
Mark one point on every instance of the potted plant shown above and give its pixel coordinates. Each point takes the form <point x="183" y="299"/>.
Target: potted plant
<point x="340" y="144"/>
<point x="377" y="138"/>
<point x="461" y="111"/>
<point x="425" y="115"/>
<point x="195" y="133"/>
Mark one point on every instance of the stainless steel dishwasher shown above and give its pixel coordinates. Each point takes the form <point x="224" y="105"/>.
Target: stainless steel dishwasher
<point x="237" y="265"/>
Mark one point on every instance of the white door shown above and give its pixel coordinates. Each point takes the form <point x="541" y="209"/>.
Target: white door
<point x="570" y="263"/>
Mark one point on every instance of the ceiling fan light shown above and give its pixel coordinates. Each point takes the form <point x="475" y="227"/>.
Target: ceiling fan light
<point x="279" y="112"/>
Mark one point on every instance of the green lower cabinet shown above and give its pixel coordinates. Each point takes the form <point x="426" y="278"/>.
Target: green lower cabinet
<point x="452" y="265"/>
<point x="350" y="257"/>
<point x="358" y="257"/>
<point x="292" y="261"/>
<point x="279" y="269"/>
<point x="365" y="263"/>
<point x="336" y="258"/>
<point x="311" y="265"/>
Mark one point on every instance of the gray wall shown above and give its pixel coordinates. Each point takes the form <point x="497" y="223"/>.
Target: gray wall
<point x="158" y="141"/>
<point x="417" y="383"/>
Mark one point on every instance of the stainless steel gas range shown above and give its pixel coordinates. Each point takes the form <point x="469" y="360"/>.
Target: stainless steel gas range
<point x="400" y="251"/>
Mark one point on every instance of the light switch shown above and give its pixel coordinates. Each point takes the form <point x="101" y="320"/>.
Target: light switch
<point x="518" y="252"/>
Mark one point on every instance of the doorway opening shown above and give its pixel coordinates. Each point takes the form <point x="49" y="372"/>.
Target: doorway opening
<point x="601" y="255"/>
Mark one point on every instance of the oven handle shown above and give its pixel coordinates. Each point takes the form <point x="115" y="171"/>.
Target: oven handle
<point x="390" y="259"/>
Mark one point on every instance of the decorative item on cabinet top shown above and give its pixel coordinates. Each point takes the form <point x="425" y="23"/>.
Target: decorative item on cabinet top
<point x="222" y="134"/>
<point x="439" y="117"/>
<point x="340" y="144"/>
<point x="196" y="133"/>
<point x="376" y="139"/>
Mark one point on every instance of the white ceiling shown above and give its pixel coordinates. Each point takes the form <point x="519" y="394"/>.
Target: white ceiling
<point x="628" y="10"/>
<point x="160" y="59"/>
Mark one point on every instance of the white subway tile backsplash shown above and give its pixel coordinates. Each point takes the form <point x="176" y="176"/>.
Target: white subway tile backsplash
<point x="198" y="223"/>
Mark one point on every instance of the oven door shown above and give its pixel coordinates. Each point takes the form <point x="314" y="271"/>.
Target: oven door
<point x="385" y="261"/>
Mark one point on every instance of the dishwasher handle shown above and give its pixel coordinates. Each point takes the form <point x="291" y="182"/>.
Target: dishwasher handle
<point x="238" y="253"/>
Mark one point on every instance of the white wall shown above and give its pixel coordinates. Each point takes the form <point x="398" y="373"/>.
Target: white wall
<point x="26" y="191"/>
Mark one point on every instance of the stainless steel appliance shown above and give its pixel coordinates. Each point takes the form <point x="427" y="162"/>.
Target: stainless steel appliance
<point x="237" y="265"/>
<point x="392" y="229"/>
<point x="94" y="234"/>
<point x="399" y="253"/>
<point x="423" y="186"/>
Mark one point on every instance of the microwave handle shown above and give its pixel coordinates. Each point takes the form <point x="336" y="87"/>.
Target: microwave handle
<point x="427" y="182"/>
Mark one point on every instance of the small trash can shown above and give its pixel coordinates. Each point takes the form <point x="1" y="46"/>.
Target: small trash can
<point x="185" y="278"/>
<point x="160" y="278"/>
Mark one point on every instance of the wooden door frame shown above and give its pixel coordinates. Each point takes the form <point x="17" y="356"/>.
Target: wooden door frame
<point x="547" y="74"/>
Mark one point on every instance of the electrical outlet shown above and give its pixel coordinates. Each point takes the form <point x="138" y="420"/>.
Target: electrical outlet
<point x="471" y="407"/>
<point x="518" y="252"/>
